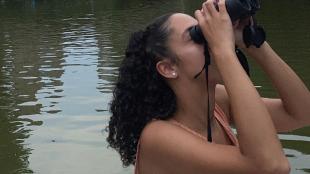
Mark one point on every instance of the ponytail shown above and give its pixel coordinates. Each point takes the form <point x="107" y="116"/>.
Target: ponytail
<point x="141" y="93"/>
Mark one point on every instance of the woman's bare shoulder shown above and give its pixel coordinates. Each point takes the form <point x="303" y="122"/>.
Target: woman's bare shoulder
<point x="159" y="130"/>
<point x="159" y="145"/>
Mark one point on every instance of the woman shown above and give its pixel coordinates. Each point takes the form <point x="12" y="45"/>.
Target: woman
<point x="159" y="110"/>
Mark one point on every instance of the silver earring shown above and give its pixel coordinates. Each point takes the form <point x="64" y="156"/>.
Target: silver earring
<point x="174" y="74"/>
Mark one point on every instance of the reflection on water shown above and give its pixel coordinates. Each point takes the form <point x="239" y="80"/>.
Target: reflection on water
<point x="59" y="60"/>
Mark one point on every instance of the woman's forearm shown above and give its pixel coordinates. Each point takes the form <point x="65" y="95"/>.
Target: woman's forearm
<point x="294" y="94"/>
<point x="256" y="133"/>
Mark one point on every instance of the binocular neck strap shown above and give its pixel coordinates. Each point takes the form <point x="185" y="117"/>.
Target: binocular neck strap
<point x="207" y="60"/>
<point x="207" y="63"/>
<point x="209" y="113"/>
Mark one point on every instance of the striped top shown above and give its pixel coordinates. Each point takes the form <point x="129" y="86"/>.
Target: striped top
<point x="220" y="117"/>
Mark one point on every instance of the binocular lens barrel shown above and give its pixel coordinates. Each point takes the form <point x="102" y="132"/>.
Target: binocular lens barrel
<point x="237" y="9"/>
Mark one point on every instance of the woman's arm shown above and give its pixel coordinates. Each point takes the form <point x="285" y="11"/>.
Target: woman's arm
<point x="256" y="133"/>
<point x="292" y="110"/>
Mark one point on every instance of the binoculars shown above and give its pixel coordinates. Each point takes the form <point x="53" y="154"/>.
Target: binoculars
<point x="252" y="34"/>
<point x="237" y="9"/>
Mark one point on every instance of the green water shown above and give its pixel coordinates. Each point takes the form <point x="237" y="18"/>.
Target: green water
<point x="58" y="64"/>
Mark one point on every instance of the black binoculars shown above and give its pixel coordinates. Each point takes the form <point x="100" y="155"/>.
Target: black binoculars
<point x="237" y="9"/>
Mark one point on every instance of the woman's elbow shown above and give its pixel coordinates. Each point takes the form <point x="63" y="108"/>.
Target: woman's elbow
<point x="278" y="167"/>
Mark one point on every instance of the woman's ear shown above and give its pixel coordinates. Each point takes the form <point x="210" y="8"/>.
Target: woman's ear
<point x="167" y="69"/>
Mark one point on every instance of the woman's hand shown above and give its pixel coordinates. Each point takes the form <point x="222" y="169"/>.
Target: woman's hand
<point x="238" y="26"/>
<point x="238" y="31"/>
<point x="216" y="26"/>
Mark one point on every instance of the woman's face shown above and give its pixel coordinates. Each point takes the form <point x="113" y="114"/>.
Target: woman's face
<point x="190" y="55"/>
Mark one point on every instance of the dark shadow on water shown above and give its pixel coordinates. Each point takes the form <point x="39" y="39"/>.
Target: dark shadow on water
<point x="306" y="170"/>
<point x="13" y="153"/>
<point x="29" y="72"/>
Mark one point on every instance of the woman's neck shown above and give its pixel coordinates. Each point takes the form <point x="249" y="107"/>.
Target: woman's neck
<point x="192" y="106"/>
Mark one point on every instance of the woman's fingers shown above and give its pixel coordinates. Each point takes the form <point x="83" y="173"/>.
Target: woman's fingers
<point x="216" y="26"/>
<point x="198" y="15"/>
<point x="205" y="11"/>
<point x="222" y="6"/>
<point x="211" y="7"/>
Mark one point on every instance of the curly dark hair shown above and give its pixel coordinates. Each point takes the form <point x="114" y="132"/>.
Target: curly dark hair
<point x="141" y="93"/>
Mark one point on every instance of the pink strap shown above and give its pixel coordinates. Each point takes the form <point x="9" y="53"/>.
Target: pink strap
<point x="221" y="117"/>
<point x="188" y="129"/>
<point x="137" y="157"/>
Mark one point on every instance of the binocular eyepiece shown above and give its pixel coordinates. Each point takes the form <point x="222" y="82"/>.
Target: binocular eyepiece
<point x="237" y="9"/>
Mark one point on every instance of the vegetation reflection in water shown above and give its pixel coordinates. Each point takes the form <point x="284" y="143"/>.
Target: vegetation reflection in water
<point x="59" y="60"/>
